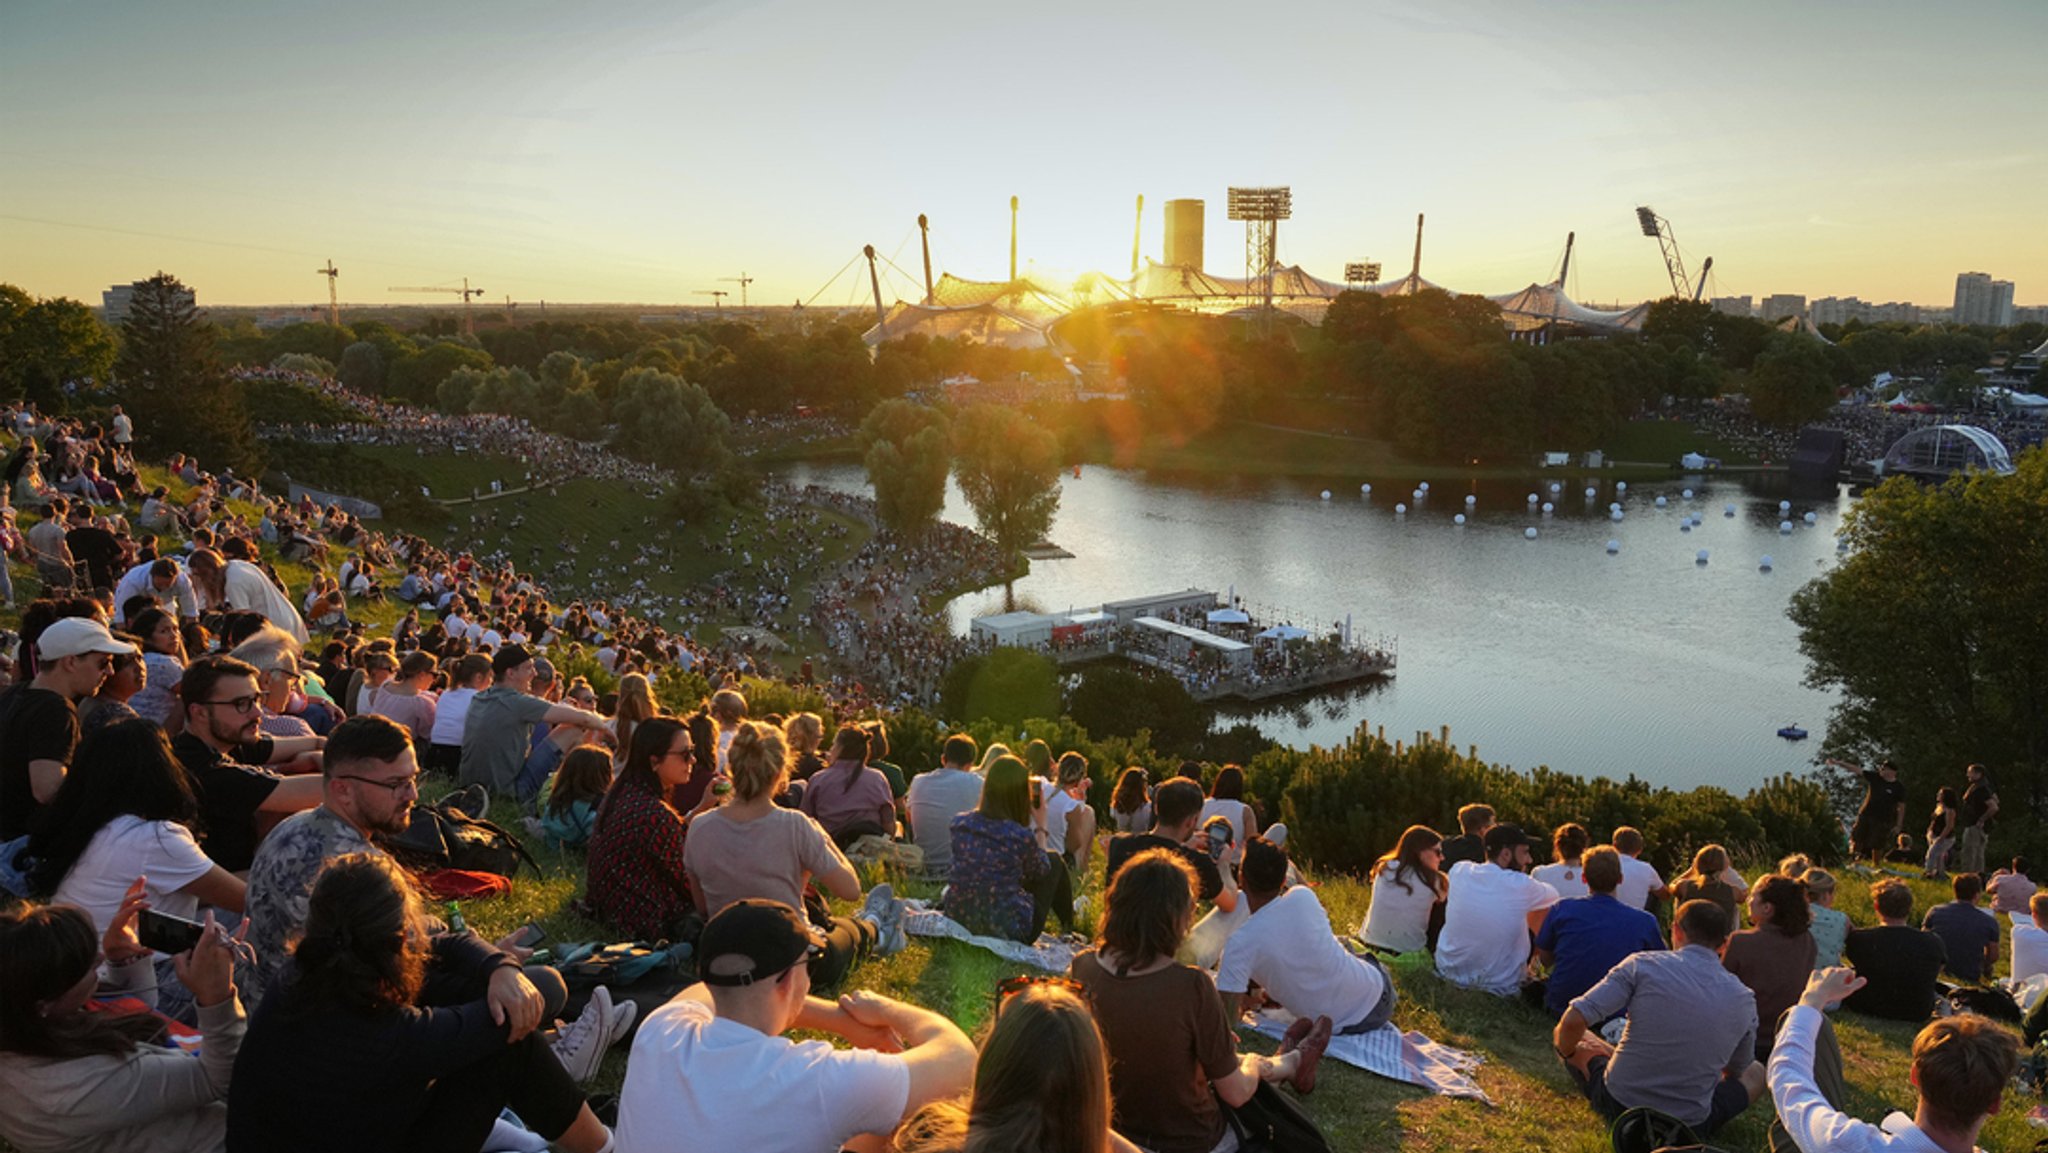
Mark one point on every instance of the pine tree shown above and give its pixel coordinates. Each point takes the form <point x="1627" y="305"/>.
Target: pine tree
<point x="173" y="385"/>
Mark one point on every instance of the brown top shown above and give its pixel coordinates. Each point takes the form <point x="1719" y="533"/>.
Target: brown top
<point x="1167" y="1039"/>
<point x="1711" y="889"/>
<point x="1775" y="967"/>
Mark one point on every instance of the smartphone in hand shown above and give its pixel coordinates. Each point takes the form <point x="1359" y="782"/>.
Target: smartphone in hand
<point x="166" y="933"/>
<point x="529" y="935"/>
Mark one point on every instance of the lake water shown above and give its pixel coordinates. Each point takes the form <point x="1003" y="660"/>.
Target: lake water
<point x="1546" y="651"/>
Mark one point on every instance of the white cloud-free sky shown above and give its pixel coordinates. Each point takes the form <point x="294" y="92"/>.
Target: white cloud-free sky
<point x="630" y="150"/>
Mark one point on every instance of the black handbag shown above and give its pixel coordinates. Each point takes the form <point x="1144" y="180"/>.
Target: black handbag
<point x="1273" y="1122"/>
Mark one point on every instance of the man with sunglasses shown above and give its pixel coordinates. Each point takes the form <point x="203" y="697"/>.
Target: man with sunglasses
<point x="39" y="720"/>
<point x="711" y="1069"/>
<point x="220" y="699"/>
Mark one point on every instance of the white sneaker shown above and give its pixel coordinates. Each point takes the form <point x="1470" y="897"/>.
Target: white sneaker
<point x="623" y="1015"/>
<point x="885" y="913"/>
<point x="580" y="1045"/>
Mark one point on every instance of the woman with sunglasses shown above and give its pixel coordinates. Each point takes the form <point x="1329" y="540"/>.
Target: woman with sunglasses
<point x="1041" y="1084"/>
<point x="1408" y="889"/>
<point x="637" y="883"/>
<point x="1172" y="1054"/>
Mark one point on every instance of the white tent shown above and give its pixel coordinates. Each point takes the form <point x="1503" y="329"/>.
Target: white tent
<point x="1229" y="617"/>
<point x="1283" y="633"/>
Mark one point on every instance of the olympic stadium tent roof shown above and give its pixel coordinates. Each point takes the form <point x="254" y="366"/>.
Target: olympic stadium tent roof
<point x="1947" y="448"/>
<point x="1014" y="314"/>
<point x="1541" y="305"/>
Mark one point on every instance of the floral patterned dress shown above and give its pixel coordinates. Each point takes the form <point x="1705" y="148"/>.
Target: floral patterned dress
<point x="637" y="885"/>
<point x="993" y="861"/>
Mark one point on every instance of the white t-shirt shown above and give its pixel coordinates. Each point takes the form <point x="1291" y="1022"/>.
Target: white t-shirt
<point x="1237" y="813"/>
<point x="1563" y="877"/>
<point x="934" y="799"/>
<point x="698" y="1081"/>
<point x="128" y="847"/>
<point x="1288" y="948"/>
<point x="1485" y="942"/>
<point x="1398" y="918"/>
<point x="2029" y="948"/>
<point x="451" y="712"/>
<point x="1058" y="804"/>
<point x="1639" y="878"/>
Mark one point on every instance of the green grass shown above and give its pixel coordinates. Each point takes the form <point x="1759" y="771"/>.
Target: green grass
<point x="1664" y="441"/>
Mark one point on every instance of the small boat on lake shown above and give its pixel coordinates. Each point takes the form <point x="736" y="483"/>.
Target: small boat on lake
<point x="1792" y="733"/>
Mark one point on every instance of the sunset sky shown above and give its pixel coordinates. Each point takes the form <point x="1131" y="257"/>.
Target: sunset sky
<point x="640" y="151"/>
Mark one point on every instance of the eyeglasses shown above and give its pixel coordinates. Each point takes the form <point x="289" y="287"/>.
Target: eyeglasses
<point x="397" y="785"/>
<point x="1009" y="987"/>
<point x="239" y="704"/>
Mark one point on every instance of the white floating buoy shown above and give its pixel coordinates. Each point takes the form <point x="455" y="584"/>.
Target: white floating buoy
<point x="1685" y="526"/>
<point x="1765" y="564"/>
<point x="1416" y="495"/>
<point x="1613" y="546"/>
<point x="1784" y="506"/>
<point x="1785" y="527"/>
<point x="1470" y="500"/>
<point x="1727" y="510"/>
<point x="1701" y="557"/>
<point x="1614" y="506"/>
<point x="1695" y="520"/>
<point x="1548" y="508"/>
<point x="1615" y="515"/>
<point x="1424" y="486"/>
<point x="1687" y="494"/>
<point x="1533" y="498"/>
<point x="1555" y="487"/>
<point x="1400" y="510"/>
<point x="1529" y="533"/>
<point x="1591" y="492"/>
<point x="1459" y="519"/>
<point x="1621" y="486"/>
<point x="1661" y="502"/>
<point x="1813" y="518"/>
<point x="1326" y="494"/>
<point x="1366" y="489"/>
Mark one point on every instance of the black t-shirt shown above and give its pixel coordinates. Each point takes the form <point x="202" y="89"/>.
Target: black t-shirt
<point x="100" y="552"/>
<point x="1127" y="845"/>
<point x="1900" y="963"/>
<point x="35" y="725"/>
<point x="1976" y="800"/>
<point x="229" y="795"/>
<point x="1464" y="847"/>
<point x="1882" y="802"/>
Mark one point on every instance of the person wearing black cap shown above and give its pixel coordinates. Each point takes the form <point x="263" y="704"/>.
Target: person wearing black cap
<point x="1492" y="909"/>
<point x="711" y="1069"/>
<point x="498" y="733"/>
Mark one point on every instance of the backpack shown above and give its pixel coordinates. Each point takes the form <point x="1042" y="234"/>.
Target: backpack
<point x="1645" y="1130"/>
<point x="443" y="837"/>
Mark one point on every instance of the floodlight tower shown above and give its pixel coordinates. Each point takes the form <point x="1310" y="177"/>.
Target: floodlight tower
<point x="1659" y="229"/>
<point x="1359" y="273"/>
<point x="333" y="299"/>
<point x="1262" y="210"/>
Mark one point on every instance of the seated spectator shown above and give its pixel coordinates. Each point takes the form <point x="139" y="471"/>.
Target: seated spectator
<point x="1130" y="805"/>
<point x="878" y="760"/>
<point x="222" y="711"/>
<point x="637" y="882"/>
<point x="1286" y="948"/>
<point x="79" y="1077"/>
<point x="1041" y="1084"/>
<point x="467" y="676"/>
<point x="1897" y="962"/>
<point x="1968" y="931"/>
<point x="636" y="704"/>
<point x="1902" y="852"/>
<point x="711" y="1069"/>
<point x="938" y="796"/>
<point x="1470" y="843"/>
<point x="1567" y="846"/>
<point x="1173" y="1060"/>
<point x="803" y="732"/>
<point x="2030" y="940"/>
<point x="1961" y="1068"/>
<point x="110" y="703"/>
<point x="848" y="797"/>
<point x="1705" y="881"/>
<point x="409" y="698"/>
<point x="1582" y="938"/>
<point x="1226" y="799"/>
<point x="754" y="849"/>
<point x="1773" y="959"/>
<point x="39" y="718"/>
<point x="1176" y="809"/>
<point x="1005" y="878"/>
<point x="1408" y="887"/>
<point x="1689" y="1046"/>
<point x="577" y="790"/>
<point x="2011" y="889"/>
<point x="497" y="732"/>
<point x="1640" y="882"/>
<point x="380" y="1036"/>
<point x="1070" y="821"/>
<point x="125" y="811"/>
<point x="1830" y="927"/>
<point x="1492" y="909"/>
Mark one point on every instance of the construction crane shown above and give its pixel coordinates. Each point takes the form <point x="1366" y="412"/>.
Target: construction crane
<point x="742" y="280"/>
<point x="1659" y="229"/>
<point x="717" y="296"/>
<point x="333" y="300"/>
<point x="466" y="292"/>
<point x="1704" y="269"/>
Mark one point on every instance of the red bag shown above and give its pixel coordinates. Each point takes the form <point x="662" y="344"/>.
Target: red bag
<point x="461" y="884"/>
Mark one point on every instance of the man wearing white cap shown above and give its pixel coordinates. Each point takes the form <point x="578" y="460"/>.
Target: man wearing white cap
<point x="39" y="720"/>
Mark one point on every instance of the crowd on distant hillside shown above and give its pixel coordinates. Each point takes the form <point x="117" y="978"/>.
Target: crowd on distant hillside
<point x="1870" y="429"/>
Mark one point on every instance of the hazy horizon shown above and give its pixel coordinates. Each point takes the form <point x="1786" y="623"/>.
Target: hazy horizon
<point x="641" y="152"/>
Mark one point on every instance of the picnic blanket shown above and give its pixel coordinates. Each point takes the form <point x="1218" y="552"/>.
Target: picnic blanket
<point x="1050" y="953"/>
<point x="1408" y="1057"/>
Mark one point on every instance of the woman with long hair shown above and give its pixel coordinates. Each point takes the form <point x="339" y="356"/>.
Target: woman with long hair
<point x="1005" y="880"/>
<point x="126" y="810"/>
<point x="1172" y="1054"/>
<point x="1706" y="881"/>
<point x="636" y="704"/>
<point x="1130" y="806"/>
<point x="163" y="664"/>
<point x="1408" y="890"/>
<point x="752" y="847"/>
<point x="357" y="1049"/>
<point x="1041" y="1084"/>
<point x="1226" y="800"/>
<point x="637" y="882"/>
<point x="1941" y="832"/>
<point x="1776" y="957"/>
<point x="803" y="732"/>
<point x="80" y="1078"/>
<point x="849" y="797"/>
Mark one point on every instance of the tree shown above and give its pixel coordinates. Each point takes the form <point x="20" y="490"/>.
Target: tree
<point x="417" y="379"/>
<point x="47" y="344"/>
<point x="173" y="385"/>
<point x="1008" y="685"/>
<point x="666" y="420"/>
<point x="580" y="415"/>
<point x="1009" y="470"/>
<point x="1932" y="630"/>
<point x="362" y="368"/>
<point x="908" y="449"/>
<point x="1792" y="381"/>
<point x="302" y="362"/>
<point x="1112" y="701"/>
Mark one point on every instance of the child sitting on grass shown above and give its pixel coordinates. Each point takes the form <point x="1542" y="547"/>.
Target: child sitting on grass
<point x="578" y="788"/>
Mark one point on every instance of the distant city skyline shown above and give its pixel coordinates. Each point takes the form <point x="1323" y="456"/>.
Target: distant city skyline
<point x="646" y="151"/>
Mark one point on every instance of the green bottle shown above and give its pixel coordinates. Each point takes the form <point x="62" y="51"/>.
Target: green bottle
<point x="455" y="922"/>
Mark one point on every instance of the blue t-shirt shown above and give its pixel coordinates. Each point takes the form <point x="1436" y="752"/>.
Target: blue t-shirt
<point x="1964" y="930"/>
<point x="1589" y="936"/>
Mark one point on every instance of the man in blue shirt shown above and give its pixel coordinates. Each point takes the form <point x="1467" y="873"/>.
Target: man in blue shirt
<point x="1967" y="930"/>
<point x="1583" y="937"/>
